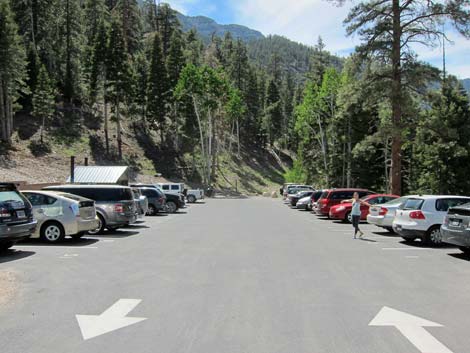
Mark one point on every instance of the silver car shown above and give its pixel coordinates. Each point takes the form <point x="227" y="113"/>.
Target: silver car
<point x="115" y="205"/>
<point x="60" y="215"/>
<point x="456" y="228"/>
<point x="383" y="215"/>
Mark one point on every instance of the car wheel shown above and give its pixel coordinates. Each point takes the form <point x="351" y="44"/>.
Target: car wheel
<point x="192" y="199"/>
<point x="171" y="207"/>
<point x="52" y="232"/>
<point x="348" y="218"/>
<point x="434" y="236"/>
<point x="6" y="246"/>
<point x="152" y="211"/>
<point x="100" y="228"/>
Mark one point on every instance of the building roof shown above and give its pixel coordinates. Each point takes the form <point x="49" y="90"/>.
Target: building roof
<point x="99" y="175"/>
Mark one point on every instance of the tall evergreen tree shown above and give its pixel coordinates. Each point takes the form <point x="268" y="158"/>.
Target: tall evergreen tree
<point x="12" y="69"/>
<point x="43" y="99"/>
<point x="157" y="88"/>
<point x="129" y="14"/>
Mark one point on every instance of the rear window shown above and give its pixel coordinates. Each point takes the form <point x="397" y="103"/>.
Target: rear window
<point x="10" y="196"/>
<point x="443" y="205"/>
<point x="413" y="204"/>
<point x="103" y="195"/>
<point x="324" y="195"/>
<point x="398" y="201"/>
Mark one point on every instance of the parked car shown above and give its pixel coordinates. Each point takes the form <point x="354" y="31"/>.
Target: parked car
<point x="382" y="215"/>
<point x="172" y="188"/>
<point x="312" y="201"/>
<point x="333" y="197"/>
<point x="59" y="216"/>
<point x="296" y="197"/>
<point x="194" y="195"/>
<point x="342" y="211"/>
<point x="173" y="202"/>
<point x="294" y="188"/>
<point x="16" y="216"/>
<point x="115" y="205"/>
<point x="156" y="198"/>
<point x="141" y="202"/>
<point x="456" y="227"/>
<point x="421" y="217"/>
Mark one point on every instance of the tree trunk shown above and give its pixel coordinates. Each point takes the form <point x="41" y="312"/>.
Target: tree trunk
<point x="238" y="137"/>
<point x="201" y="138"/>
<point x="3" y="115"/>
<point x="106" y="127"/>
<point x="119" y="131"/>
<point x="396" y="100"/>
<point x="348" y="173"/>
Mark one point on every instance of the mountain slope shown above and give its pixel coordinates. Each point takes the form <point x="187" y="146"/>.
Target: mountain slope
<point x="207" y="27"/>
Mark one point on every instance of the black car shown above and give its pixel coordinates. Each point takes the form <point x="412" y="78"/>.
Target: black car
<point x="300" y="195"/>
<point x="16" y="216"/>
<point x="156" y="199"/>
<point x="173" y="202"/>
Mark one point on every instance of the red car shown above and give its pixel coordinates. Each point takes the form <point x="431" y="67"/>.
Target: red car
<point x="335" y="196"/>
<point x="343" y="211"/>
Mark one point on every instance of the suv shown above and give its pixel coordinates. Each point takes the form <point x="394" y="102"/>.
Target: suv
<point x="171" y="188"/>
<point x="333" y="197"/>
<point x="16" y="216"/>
<point x="173" y="202"/>
<point x="422" y="216"/>
<point x="115" y="206"/>
<point x="156" y="199"/>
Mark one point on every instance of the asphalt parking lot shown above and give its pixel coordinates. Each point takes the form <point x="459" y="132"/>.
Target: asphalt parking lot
<point x="236" y="276"/>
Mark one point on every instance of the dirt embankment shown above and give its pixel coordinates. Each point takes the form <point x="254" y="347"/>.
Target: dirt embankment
<point x="8" y="287"/>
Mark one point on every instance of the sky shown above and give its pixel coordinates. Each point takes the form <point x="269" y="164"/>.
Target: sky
<point x="304" y="20"/>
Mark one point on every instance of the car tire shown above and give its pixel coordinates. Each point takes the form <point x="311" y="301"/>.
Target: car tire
<point x="433" y="236"/>
<point x="192" y="199"/>
<point x="347" y="218"/>
<point x="52" y="232"/>
<point x="152" y="210"/>
<point x="171" y="207"/>
<point x="101" y="226"/>
<point x="5" y="246"/>
<point x="389" y="229"/>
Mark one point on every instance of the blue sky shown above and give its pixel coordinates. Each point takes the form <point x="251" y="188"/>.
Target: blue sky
<point x="305" y="20"/>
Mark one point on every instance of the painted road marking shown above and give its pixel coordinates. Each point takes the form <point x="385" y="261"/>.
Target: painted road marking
<point x="55" y="247"/>
<point x="410" y="249"/>
<point x="412" y="257"/>
<point x="412" y="327"/>
<point x="112" y="319"/>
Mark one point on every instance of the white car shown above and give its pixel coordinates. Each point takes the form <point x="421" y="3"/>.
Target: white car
<point x="383" y="215"/>
<point x="59" y="215"/>
<point x="304" y="203"/>
<point x="421" y="217"/>
<point x="171" y="188"/>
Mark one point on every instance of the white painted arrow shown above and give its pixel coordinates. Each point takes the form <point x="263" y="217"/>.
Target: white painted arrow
<point x="112" y="319"/>
<point x="412" y="327"/>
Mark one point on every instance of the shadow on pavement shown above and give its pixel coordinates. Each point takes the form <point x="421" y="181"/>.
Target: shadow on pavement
<point x="461" y="256"/>
<point x="420" y="244"/>
<point x="116" y="234"/>
<point x="369" y="240"/>
<point x="137" y="226"/>
<point x="14" y="254"/>
<point x="66" y="242"/>
<point x="387" y="234"/>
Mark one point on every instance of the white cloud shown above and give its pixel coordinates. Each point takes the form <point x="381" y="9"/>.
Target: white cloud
<point x="182" y="6"/>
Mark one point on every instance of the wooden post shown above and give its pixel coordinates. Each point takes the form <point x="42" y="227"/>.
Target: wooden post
<point x="72" y="169"/>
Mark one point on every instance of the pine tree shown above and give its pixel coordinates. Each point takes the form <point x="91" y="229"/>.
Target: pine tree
<point x="43" y="99"/>
<point x="119" y="77"/>
<point x="273" y="112"/>
<point x="175" y="60"/>
<point x="157" y="88"/>
<point x="12" y="69"/>
<point x="129" y="14"/>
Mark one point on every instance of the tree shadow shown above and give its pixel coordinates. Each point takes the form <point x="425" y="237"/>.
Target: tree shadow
<point x="14" y="255"/>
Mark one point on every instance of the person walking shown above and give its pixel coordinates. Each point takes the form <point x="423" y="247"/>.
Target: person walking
<point x="356" y="213"/>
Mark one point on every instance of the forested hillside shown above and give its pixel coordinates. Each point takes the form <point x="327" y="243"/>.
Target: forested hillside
<point x="122" y="81"/>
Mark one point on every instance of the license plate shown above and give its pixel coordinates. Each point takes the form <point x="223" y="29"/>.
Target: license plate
<point x="399" y="227"/>
<point x="455" y="223"/>
<point x="20" y="214"/>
